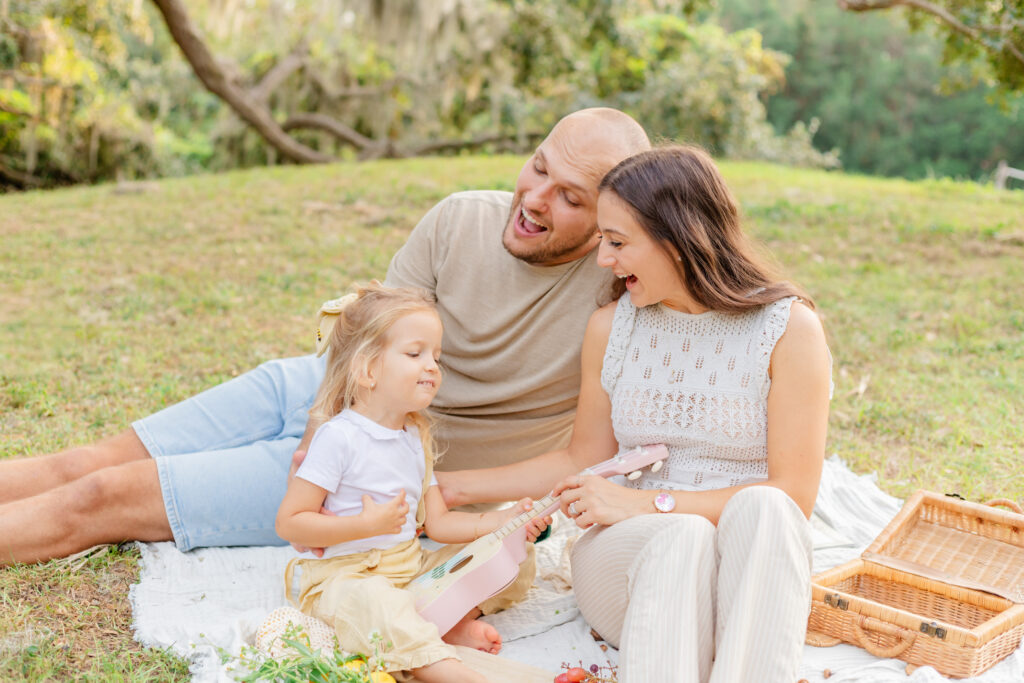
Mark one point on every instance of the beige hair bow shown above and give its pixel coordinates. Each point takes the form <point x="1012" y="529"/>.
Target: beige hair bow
<point x="325" y="319"/>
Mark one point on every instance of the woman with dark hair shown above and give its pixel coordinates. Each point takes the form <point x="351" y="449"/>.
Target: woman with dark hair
<point x="701" y="571"/>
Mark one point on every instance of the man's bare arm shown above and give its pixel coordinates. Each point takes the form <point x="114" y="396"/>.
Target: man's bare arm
<point x="592" y="439"/>
<point x="532" y="478"/>
<point x="297" y="457"/>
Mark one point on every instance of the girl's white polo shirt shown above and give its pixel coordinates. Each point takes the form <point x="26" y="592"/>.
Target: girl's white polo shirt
<point x="351" y="455"/>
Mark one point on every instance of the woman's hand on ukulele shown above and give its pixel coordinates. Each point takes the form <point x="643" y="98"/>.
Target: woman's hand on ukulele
<point x="386" y="518"/>
<point x="590" y="499"/>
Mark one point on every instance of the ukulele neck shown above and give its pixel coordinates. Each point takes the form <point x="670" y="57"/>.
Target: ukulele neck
<point x="546" y="505"/>
<point x="542" y="507"/>
<point x="620" y="464"/>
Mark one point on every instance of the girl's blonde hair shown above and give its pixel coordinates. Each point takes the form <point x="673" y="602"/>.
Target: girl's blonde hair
<point x="357" y="340"/>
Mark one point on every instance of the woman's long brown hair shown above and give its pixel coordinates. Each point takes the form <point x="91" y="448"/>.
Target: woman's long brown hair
<point x="679" y="197"/>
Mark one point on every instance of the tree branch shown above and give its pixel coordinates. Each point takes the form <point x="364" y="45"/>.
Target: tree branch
<point x="251" y="106"/>
<point x="12" y="28"/>
<point x="20" y="178"/>
<point x="12" y="110"/>
<point x="374" y="149"/>
<point x="448" y="145"/>
<point x="332" y="126"/>
<point x="941" y="13"/>
<point x="26" y="78"/>
<point x="334" y="93"/>
<point x="213" y="77"/>
<point x="279" y="74"/>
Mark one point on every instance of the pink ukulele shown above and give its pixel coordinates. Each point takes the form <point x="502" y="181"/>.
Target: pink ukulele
<point x="490" y="563"/>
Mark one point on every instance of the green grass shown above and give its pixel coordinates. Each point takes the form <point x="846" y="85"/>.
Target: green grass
<point x="113" y="305"/>
<point x="61" y="621"/>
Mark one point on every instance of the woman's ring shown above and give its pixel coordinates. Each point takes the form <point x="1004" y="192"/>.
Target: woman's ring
<point x="572" y="509"/>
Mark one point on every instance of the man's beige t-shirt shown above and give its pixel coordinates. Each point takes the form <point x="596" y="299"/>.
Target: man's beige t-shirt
<point x="512" y="332"/>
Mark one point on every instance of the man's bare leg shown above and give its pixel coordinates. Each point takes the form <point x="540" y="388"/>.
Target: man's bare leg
<point x="108" y="505"/>
<point x="25" y="477"/>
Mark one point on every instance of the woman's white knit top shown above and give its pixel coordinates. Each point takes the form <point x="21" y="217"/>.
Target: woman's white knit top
<point x="697" y="383"/>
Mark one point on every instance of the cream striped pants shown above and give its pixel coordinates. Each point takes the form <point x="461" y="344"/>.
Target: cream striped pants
<point x="686" y="601"/>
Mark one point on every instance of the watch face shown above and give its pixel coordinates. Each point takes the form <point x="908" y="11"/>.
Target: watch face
<point x="664" y="502"/>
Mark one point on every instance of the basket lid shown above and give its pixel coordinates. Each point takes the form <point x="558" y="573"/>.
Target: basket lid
<point x="956" y="542"/>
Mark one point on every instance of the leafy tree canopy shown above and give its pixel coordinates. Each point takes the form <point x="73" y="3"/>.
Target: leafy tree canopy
<point x="84" y="94"/>
<point x="880" y="92"/>
<point x="988" y="29"/>
<point x="97" y="90"/>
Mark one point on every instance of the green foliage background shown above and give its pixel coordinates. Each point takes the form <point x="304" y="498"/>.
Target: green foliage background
<point x="87" y="91"/>
<point x="94" y="91"/>
<point x="881" y="92"/>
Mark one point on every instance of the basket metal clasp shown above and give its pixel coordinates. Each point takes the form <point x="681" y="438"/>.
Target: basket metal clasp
<point x="835" y="600"/>
<point x="933" y="629"/>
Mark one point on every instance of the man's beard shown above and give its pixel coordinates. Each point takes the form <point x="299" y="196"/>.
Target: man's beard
<point x="548" y="251"/>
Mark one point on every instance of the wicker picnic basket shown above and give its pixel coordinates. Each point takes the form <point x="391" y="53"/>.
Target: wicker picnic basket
<point x="941" y="586"/>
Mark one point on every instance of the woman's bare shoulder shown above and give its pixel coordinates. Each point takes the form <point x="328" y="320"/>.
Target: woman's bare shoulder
<point x="803" y="340"/>
<point x="804" y="323"/>
<point x="600" y="325"/>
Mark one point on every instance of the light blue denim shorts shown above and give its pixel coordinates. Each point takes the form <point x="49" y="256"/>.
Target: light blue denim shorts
<point x="223" y="455"/>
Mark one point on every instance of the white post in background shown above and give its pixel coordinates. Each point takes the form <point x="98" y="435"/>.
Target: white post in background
<point x="1003" y="171"/>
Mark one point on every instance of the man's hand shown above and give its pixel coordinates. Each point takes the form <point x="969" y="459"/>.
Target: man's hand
<point x="388" y="518"/>
<point x="297" y="458"/>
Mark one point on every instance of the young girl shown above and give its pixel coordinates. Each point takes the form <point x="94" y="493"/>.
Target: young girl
<point x="370" y="465"/>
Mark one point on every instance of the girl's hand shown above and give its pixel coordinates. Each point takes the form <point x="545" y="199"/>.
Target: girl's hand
<point x="387" y="518"/>
<point x="595" y="500"/>
<point x="533" y="528"/>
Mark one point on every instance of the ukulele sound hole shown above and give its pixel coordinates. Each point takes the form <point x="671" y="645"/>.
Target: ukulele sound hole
<point x="460" y="564"/>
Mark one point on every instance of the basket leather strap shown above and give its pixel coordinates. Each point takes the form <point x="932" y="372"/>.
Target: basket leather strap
<point x="1005" y="502"/>
<point x="818" y="639"/>
<point x="863" y="623"/>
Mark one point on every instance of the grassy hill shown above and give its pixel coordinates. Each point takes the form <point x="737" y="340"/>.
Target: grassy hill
<point x="115" y="302"/>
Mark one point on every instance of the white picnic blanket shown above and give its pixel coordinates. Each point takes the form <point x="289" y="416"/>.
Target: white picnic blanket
<point x="212" y="600"/>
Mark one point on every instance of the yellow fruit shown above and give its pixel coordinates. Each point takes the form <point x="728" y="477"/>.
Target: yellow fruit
<point x="382" y="677"/>
<point x="355" y="665"/>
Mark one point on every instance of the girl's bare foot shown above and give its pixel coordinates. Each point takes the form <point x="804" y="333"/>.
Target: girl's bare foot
<point x="476" y="634"/>
<point x="448" y="671"/>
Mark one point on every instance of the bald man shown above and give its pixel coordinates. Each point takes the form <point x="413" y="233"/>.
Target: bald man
<point x="516" y="280"/>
